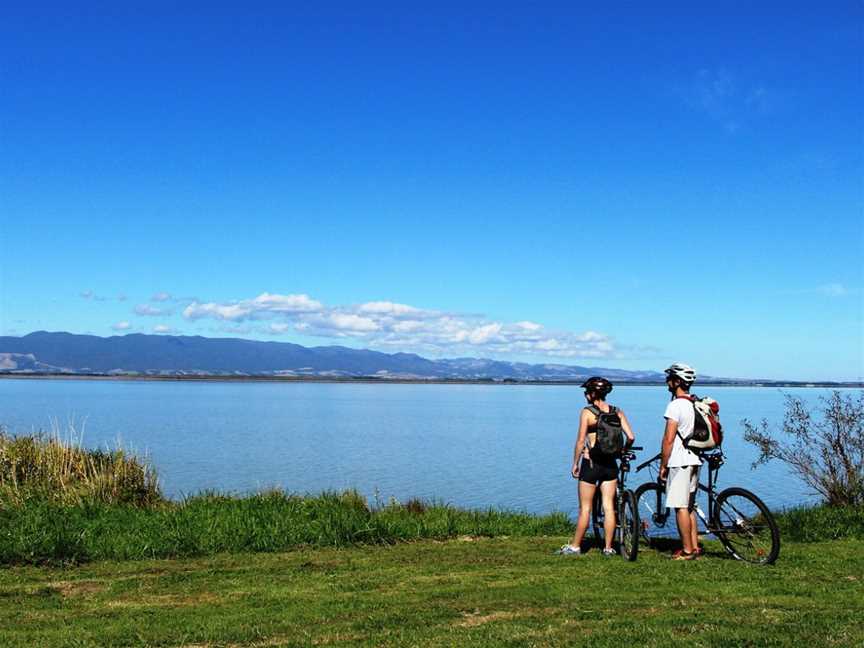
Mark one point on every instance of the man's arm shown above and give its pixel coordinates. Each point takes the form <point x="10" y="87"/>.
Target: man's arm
<point x="666" y="449"/>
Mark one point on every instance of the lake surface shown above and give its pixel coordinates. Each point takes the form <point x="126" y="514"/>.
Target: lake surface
<point x="473" y="446"/>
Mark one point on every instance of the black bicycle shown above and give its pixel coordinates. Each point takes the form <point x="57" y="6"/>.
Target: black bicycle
<point x="626" y="512"/>
<point x="736" y="517"/>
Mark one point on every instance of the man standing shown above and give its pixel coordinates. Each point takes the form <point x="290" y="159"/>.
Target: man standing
<point x="678" y="465"/>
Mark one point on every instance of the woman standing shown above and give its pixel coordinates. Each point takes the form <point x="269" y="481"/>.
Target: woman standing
<point x="593" y="469"/>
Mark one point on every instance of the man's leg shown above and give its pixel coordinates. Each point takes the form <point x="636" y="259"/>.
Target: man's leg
<point x="686" y="528"/>
<point x="694" y="529"/>
<point x="678" y="497"/>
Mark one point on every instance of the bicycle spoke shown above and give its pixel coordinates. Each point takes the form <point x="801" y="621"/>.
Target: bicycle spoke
<point x="743" y="528"/>
<point x="655" y="522"/>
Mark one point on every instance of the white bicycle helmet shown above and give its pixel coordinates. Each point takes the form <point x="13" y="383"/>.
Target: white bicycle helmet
<point x="682" y="371"/>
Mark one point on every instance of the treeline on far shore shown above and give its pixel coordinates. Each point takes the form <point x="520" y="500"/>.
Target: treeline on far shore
<point x="60" y="503"/>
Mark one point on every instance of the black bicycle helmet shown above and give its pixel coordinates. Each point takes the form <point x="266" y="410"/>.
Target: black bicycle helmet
<point x="597" y="385"/>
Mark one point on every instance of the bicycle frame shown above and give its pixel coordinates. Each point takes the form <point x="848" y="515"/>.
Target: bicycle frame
<point x="714" y="460"/>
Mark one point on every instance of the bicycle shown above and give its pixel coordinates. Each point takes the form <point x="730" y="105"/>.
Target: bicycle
<point x="626" y="514"/>
<point x="736" y="517"/>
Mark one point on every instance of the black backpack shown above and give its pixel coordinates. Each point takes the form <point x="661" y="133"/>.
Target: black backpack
<point x="609" y="440"/>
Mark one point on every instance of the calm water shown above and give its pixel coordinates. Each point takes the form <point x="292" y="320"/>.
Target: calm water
<point x="469" y="445"/>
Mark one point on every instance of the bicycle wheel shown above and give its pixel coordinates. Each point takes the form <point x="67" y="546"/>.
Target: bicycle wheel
<point x="745" y="527"/>
<point x="629" y="518"/>
<point x="656" y="521"/>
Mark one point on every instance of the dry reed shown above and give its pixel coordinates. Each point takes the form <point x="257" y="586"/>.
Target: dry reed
<point x="44" y="466"/>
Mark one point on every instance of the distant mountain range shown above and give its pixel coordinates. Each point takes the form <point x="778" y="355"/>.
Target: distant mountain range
<point x="168" y="355"/>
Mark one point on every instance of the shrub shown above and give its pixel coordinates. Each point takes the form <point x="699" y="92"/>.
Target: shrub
<point x="825" y="448"/>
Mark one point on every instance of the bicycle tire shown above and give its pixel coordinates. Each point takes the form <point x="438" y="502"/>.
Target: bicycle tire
<point x="745" y="527"/>
<point x="629" y="519"/>
<point x="656" y="521"/>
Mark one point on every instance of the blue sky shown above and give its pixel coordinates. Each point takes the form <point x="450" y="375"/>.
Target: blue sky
<point x="616" y="187"/>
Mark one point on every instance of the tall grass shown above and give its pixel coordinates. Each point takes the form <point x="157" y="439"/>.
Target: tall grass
<point x="44" y="467"/>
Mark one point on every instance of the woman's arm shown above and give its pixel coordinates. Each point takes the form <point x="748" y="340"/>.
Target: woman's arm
<point x="625" y="425"/>
<point x="580" y="443"/>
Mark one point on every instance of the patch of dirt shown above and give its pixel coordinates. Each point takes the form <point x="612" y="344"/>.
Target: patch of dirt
<point x="168" y="600"/>
<point x="473" y="619"/>
<point x="68" y="589"/>
<point x="337" y="639"/>
<point x="270" y="642"/>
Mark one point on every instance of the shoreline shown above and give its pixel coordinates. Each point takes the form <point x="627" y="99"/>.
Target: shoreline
<point x="412" y="381"/>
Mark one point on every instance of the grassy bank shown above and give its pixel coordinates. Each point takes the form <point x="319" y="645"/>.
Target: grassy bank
<point x="93" y="555"/>
<point x="41" y="531"/>
<point x="477" y="592"/>
<point x="820" y="523"/>
<point x="60" y="503"/>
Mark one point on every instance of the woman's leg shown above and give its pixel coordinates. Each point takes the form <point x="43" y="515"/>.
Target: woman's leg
<point x="607" y="489"/>
<point x="586" y="500"/>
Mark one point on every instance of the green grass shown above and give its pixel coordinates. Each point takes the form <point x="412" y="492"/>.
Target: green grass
<point x="818" y="523"/>
<point x="94" y="556"/>
<point x="482" y="592"/>
<point x="45" y="532"/>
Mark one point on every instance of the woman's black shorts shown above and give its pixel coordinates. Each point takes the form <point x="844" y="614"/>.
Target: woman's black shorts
<point x="596" y="472"/>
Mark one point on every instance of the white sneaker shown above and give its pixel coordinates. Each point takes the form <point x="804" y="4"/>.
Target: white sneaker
<point x="569" y="550"/>
<point x="610" y="552"/>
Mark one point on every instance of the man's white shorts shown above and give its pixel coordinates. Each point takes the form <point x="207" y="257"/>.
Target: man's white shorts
<point x="681" y="485"/>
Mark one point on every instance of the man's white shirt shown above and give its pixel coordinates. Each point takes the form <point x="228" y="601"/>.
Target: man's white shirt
<point x="680" y="410"/>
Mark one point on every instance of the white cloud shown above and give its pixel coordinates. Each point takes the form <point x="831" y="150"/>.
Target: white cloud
<point x="121" y="326"/>
<point x="147" y="310"/>
<point x="529" y="326"/>
<point x="231" y="312"/>
<point x="394" y="310"/>
<point x="261" y="307"/>
<point x="161" y="297"/>
<point x="400" y="326"/>
<point x="730" y="99"/>
<point x="485" y="333"/>
<point x="833" y="290"/>
<point x="91" y="296"/>
<point x="161" y="328"/>
<point x="287" y="303"/>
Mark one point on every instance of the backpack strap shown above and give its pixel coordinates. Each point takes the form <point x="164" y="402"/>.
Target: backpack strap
<point x="596" y="411"/>
<point x="691" y="398"/>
